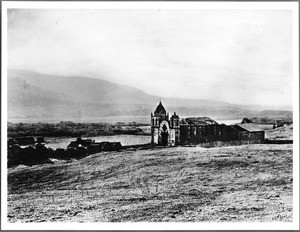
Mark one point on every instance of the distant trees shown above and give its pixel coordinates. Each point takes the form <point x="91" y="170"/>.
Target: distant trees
<point x="71" y="129"/>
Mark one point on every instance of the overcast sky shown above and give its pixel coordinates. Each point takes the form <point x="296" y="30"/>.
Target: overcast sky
<point x="237" y="56"/>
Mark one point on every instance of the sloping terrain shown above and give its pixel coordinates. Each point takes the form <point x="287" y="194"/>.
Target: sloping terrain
<point x="84" y="89"/>
<point x="37" y="95"/>
<point x="227" y="184"/>
<point x="23" y="94"/>
<point x="280" y="133"/>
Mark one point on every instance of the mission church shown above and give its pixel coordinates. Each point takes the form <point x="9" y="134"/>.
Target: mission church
<point x="164" y="131"/>
<point x="173" y="131"/>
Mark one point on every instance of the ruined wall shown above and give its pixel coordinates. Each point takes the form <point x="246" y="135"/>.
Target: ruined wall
<point x="154" y="135"/>
<point x="206" y="133"/>
<point x="172" y="137"/>
<point x="177" y="136"/>
<point x="246" y="136"/>
<point x="190" y="134"/>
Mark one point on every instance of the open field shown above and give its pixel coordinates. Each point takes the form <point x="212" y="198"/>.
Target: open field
<point x="242" y="183"/>
<point x="280" y="133"/>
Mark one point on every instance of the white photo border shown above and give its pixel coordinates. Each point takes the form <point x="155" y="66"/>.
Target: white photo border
<point x="293" y="6"/>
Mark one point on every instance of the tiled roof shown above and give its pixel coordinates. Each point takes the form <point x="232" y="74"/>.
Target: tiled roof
<point x="200" y="121"/>
<point x="249" y="127"/>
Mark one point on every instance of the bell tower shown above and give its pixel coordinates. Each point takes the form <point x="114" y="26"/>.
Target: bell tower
<point x="159" y="134"/>
<point x="175" y="129"/>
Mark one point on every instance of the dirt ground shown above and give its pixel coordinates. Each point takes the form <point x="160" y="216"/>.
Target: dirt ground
<point x="230" y="184"/>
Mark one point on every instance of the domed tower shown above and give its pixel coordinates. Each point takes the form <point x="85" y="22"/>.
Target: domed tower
<point x="160" y="111"/>
<point x="160" y="128"/>
<point x="175" y="129"/>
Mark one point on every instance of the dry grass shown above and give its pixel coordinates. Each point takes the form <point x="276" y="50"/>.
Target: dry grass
<point x="280" y="133"/>
<point x="243" y="183"/>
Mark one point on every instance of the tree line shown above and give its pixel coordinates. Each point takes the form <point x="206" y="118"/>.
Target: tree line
<point x="72" y="129"/>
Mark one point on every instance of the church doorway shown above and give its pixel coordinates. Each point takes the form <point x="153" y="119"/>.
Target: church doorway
<point x="164" y="136"/>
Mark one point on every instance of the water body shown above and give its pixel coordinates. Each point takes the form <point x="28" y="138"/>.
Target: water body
<point x="109" y="119"/>
<point x="125" y="140"/>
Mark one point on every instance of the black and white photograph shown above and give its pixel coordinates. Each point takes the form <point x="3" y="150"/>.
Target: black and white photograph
<point x="152" y="114"/>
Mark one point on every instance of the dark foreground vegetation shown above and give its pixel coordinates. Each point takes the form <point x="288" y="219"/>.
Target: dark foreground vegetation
<point x="40" y="154"/>
<point x="72" y="129"/>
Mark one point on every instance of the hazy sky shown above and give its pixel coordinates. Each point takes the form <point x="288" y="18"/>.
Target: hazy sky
<point x="237" y="56"/>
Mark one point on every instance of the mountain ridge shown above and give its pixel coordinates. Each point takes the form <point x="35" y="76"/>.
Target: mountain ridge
<point x="32" y="94"/>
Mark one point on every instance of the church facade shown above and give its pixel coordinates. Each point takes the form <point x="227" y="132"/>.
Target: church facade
<point x="165" y="131"/>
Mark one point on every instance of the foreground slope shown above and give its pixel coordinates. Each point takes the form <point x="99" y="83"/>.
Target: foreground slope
<point x="244" y="183"/>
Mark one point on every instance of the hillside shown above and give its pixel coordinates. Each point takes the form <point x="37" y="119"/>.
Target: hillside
<point x="20" y="93"/>
<point x="35" y="95"/>
<point x="280" y="133"/>
<point x="84" y="89"/>
<point x="183" y="184"/>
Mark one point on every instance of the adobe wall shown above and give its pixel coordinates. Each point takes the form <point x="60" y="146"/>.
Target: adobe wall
<point x="245" y="135"/>
<point x="172" y="137"/>
<point x="209" y="133"/>
<point x="154" y="135"/>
